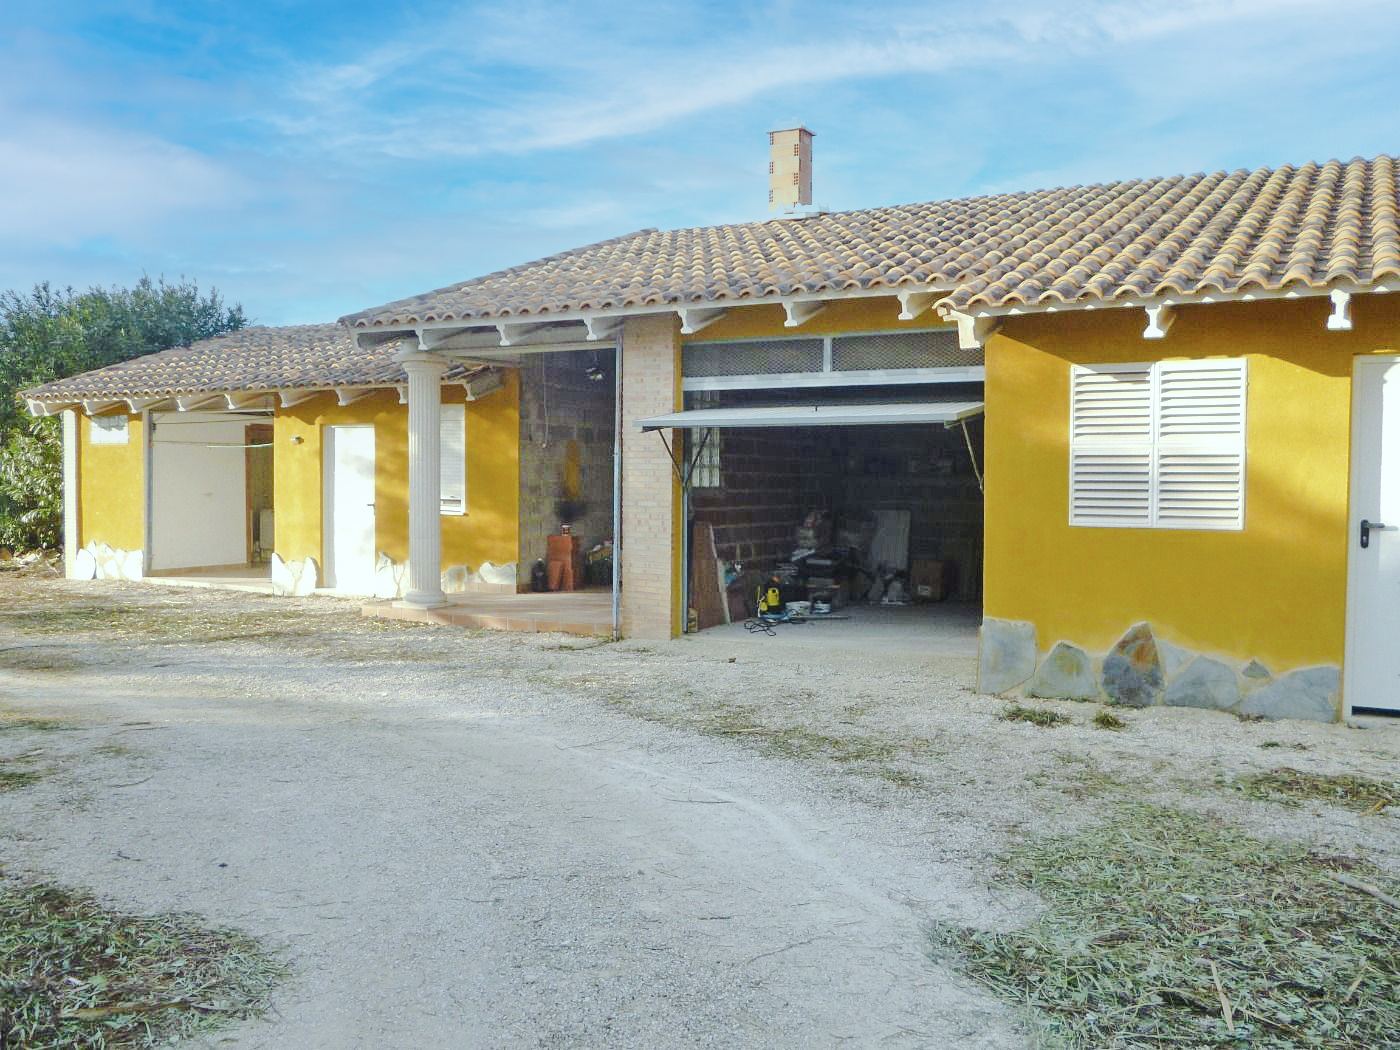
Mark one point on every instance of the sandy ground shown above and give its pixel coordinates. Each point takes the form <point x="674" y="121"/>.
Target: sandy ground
<point x="465" y="839"/>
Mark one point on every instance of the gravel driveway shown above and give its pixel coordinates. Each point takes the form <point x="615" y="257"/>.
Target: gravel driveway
<point x="463" y="839"/>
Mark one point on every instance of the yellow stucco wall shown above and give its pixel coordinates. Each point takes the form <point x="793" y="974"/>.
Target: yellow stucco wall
<point x="489" y="531"/>
<point x="1275" y="591"/>
<point x="112" y="489"/>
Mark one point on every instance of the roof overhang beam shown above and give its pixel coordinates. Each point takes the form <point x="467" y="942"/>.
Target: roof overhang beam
<point x="1159" y="320"/>
<point x="912" y="304"/>
<point x="973" y="331"/>
<point x="800" y="311"/>
<point x="1340" y="318"/>
<point x="256" y="399"/>
<point x="190" y="402"/>
<point x="288" y="398"/>
<point x="600" y="328"/>
<point x="432" y="339"/>
<point x="514" y="334"/>
<point x="486" y="383"/>
<point x="346" y="395"/>
<point x="97" y="407"/>
<point x="49" y="408"/>
<point x="137" y="405"/>
<point x="694" y="318"/>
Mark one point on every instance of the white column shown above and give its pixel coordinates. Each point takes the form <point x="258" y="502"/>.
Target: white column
<point x="424" y="475"/>
<point x="70" y="493"/>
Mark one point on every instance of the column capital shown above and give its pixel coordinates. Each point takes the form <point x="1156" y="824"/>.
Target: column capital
<point x="423" y="362"/>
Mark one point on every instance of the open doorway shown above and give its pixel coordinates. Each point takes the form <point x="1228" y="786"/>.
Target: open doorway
<point x="871" y="525"/>
<point x="210" y="500"/>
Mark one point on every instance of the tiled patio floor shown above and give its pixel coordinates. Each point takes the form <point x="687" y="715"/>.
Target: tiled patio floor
<point x="587" y="613"/>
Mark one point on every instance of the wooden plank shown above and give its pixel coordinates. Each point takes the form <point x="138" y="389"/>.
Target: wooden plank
<point x="706" y="592"/>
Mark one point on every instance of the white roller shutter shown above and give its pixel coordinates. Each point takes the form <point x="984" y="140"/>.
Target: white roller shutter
<point x="1158" y="445"/>
<point x="453" y="465"/>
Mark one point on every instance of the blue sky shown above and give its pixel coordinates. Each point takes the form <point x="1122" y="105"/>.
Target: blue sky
<point x="311" y="159"/>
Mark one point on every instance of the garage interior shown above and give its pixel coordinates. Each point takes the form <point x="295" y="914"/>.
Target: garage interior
<point x="840" y="480"/>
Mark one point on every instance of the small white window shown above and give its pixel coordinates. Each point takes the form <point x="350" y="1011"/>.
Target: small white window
<point x="704" y="474"/>
<point x="453" y="464"/>
<point x="109" y="430"/>
<point x="1158" y="446"/>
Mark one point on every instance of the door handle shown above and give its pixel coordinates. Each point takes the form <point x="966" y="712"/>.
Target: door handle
<point x="1366" y="527"/>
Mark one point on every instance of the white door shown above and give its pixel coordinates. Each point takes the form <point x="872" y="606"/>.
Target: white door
<point x="348" y="462"/>
<point x="1372" y="673"/>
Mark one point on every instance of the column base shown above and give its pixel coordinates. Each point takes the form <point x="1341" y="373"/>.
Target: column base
<point x="422" y="600"/>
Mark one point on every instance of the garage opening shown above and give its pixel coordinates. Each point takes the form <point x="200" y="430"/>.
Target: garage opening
<point x="211" y="496"/>
<point x="834" y="479"/>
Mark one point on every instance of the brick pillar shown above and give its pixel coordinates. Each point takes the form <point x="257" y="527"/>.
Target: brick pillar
<point x="651" y="497"/>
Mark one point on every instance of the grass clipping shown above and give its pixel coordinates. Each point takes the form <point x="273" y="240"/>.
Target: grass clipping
<point x="74" y="975"/>
<point x="1166" y="929"/>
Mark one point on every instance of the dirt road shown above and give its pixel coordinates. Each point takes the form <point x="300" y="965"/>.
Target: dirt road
<point x="451" y="856"/>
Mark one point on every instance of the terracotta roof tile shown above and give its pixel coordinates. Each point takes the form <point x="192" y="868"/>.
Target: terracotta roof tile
<point x="1223" y="232"/>
<point x="297" y="357"/>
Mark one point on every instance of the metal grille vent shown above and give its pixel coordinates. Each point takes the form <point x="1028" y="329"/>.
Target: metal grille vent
<point x="901" y="350"/>
<point x="759" y="357"/>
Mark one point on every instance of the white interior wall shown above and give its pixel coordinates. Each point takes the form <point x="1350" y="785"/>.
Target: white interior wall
<point x="199" y="505"/>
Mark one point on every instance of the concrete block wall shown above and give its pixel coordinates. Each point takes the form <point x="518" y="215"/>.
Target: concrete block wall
<point x="770" y="480"/>
<point x="650" y="493"/>
<point x="566" y="437"/>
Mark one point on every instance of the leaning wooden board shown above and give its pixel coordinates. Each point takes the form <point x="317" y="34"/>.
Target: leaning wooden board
<point x="706" y="584"/>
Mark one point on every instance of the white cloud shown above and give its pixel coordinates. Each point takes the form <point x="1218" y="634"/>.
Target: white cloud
<point x="66" y="182"/>
<point x="566" y="75"/>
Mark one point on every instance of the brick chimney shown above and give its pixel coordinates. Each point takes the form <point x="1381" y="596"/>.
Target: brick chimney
<point x="789" y="169"/>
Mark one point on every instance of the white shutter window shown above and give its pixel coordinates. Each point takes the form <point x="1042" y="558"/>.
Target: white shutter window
<point x="1158" y="445"/>
<point x="1111" y="446"/>
<point x="1201" y="444"/>
<point x="453" y="465"/>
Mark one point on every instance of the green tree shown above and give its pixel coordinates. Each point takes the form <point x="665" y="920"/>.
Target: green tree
<point x="49" y="334"/>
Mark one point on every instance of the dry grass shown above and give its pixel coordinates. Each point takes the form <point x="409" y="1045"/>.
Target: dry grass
<point x="1108" y="720"/>
<point x="1294" y="787"/>
<point x="1036" y="716"/>
<point x="1166" y="929"/>
<point x="75" y="975"/>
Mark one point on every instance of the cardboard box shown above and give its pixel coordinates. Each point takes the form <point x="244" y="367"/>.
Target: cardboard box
<point x="926" y="580"/>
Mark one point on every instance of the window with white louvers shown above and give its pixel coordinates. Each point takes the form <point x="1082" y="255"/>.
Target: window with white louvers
<point x="453" y="465"/>
<point x="1158" y="445"/>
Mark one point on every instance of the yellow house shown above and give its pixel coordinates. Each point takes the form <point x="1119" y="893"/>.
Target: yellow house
<point x="1140" y="427"/>
<point x="282" y="454"/>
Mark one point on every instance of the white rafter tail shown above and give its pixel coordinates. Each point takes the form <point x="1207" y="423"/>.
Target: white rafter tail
<point x="912" y="304"/>
<point x="602" y="327"/>
<point x="96" y="408"/>
<point x="137" y="405"/>
<point x="49" y="408"/>
<point x="800" y="311"/>
<point x="1159" y="321"/>
<point x="511" y="334"/>
<point x="236" y="402"/>
<point x="432" y="338"/>
<point x="288" y="398"/>
<point x="190" y="402"/>
<point x="693" y="318"/>
<point x="1340" y="318"/>
<point x="347" y="395"/>
<point x="973" y="332"/>
<point x="486" y="383"/>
